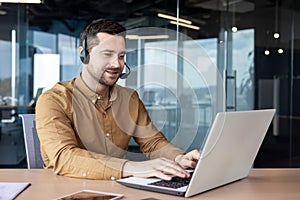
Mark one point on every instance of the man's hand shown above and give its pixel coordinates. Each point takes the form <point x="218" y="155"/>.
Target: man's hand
<point x="161" y="168"/>
<point x="189" y="160"/>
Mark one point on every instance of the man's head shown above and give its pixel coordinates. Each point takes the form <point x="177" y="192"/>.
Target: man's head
<point x="89" y="39"/>
<point x="102" y="52"/>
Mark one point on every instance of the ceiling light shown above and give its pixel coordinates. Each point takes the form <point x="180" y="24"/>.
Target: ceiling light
<point x="20" y="1"/>
<point x="3" y="12"/>
<point x="174" y="18"/>
<point x="280" y="51"/>
<point x="231" y="2"/>
<point x="276" y="35"/>
<point x="146" y="37"/>
<point x="185" y="25"/>
<point x="234" y="29"/>
<point x="267" y="52"/>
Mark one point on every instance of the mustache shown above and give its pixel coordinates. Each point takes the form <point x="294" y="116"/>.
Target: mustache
<point x="112" y="69"/>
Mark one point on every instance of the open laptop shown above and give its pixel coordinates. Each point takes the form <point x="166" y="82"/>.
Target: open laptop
<point x="227" y="155"/>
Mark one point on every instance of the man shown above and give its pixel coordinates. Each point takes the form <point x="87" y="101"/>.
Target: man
<point x="84" y="125"/>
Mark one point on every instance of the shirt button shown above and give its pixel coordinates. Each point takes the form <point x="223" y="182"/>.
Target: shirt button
<point x="104" y="112"/>
<point x="112" y="178"/>
<point x="107" y="134"/>
<point x="84" y="174"/>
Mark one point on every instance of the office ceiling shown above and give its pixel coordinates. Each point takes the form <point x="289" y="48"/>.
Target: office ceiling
<point x="207" y="14"/>
<point x="132" y="13"/>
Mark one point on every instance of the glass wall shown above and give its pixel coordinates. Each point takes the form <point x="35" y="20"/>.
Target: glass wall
<point x="189" y="60"/>
<point x="177" y="81"/>
<point x="11" y="139"/>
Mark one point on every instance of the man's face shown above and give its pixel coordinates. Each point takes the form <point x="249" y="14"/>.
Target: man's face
<point x="107" y="59"/>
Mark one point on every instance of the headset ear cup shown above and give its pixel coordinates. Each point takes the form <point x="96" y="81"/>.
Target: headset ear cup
<point x="87" y="57"/>
<point x="82" y="56"/>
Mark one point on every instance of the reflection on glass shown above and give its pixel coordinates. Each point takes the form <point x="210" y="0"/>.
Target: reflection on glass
<point x="178" y="87"/>
<point x="5" y="75"/>
<point x="243" y="63"/>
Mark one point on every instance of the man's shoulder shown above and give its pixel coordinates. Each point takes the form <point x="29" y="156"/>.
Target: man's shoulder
<point x="61" y="89"/>
<point x="126" y="91"/>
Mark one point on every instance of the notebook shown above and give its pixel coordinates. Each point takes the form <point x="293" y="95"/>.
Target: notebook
<point x="10" y="190"/>
<point x="227" y="155"/>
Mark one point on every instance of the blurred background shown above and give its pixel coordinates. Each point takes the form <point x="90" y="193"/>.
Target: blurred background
<point x="200" y="57"/>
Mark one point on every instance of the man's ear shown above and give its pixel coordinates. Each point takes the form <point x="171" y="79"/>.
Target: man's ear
<point x="80" y="49"/>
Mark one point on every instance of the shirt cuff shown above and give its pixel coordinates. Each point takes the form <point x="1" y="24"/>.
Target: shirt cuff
<point x="113" y="168"/>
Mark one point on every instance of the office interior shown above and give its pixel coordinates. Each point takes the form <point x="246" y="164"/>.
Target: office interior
<point x="189" y="60"/>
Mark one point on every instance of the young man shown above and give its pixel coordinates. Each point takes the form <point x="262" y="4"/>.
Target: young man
<point x="84" y="125"/>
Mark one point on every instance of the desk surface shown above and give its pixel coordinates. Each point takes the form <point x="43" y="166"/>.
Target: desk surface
<point x="261" y="184"/>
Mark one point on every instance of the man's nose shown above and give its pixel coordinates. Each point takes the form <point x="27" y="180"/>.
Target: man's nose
<point x="116" y="63"/>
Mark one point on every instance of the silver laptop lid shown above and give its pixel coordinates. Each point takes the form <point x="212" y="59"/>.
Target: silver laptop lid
<point x="230" y="149"/>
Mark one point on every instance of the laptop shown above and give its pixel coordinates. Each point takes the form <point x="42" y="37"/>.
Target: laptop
<point x="227" y="155"/>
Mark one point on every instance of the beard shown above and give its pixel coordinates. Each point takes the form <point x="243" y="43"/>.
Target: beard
<point x="103" y="77"/>
<point x="105" y="82"/>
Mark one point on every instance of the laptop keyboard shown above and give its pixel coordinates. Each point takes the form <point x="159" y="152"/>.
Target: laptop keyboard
<point x="175" y="183"/>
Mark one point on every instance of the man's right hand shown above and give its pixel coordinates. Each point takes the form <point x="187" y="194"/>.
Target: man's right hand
<point x="160" y="168"/>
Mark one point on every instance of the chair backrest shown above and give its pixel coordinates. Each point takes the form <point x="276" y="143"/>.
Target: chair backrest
<point x="32" y="143"/>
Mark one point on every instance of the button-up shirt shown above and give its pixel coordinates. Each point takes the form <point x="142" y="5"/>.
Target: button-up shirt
<point x="82" y="137"/>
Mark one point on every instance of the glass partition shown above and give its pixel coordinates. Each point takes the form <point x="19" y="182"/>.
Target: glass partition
<point x="194" y="59"/>
<point x="176" y="79"/>
<point x="11" y="139"/>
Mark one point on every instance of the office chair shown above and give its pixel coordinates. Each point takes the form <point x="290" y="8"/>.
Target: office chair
<point x="32" y="143"/>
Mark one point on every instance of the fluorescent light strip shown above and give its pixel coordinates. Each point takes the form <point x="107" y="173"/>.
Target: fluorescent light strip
<point x="186" y="25"/>
<point x="20" y="1"/>
<point x="13" y="65"/>
<point x="174" y="18"/>
<point x="146" y="37"/>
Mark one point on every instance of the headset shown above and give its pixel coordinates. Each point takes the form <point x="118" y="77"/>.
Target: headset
<point x="126" y="74"/>
<point x="85" y="56"/>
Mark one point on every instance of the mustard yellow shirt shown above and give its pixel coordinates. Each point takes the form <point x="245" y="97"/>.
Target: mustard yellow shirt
<point x="81" y="137"/>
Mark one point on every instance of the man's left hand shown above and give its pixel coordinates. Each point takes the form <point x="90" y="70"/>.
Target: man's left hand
<point x="189" y="160"/>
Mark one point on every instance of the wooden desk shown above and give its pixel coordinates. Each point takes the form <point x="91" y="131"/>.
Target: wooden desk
<point x="262" y="184"/>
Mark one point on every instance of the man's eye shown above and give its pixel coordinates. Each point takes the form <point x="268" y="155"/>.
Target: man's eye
<point x="108" y="54"/>
<point x="121" y="56"/>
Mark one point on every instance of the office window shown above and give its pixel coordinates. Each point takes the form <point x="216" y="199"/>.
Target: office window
<point x="243" y="63"/>
<point x="5" y="75"/>
<point x="69" y="60"/>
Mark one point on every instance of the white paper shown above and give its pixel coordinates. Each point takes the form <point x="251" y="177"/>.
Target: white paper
<point x="9" y="190"/>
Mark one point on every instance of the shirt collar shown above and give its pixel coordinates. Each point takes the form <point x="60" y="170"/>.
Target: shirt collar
<point x="91" y="95"/>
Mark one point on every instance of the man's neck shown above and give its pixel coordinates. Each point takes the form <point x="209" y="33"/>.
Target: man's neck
<point x="98" y="88"/>
<point x="103" y="91"/>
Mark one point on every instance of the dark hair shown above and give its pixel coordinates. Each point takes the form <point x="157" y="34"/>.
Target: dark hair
<point x="90" y="31"/>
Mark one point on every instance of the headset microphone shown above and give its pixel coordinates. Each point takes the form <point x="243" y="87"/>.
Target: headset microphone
<point x="125" y="75"/>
